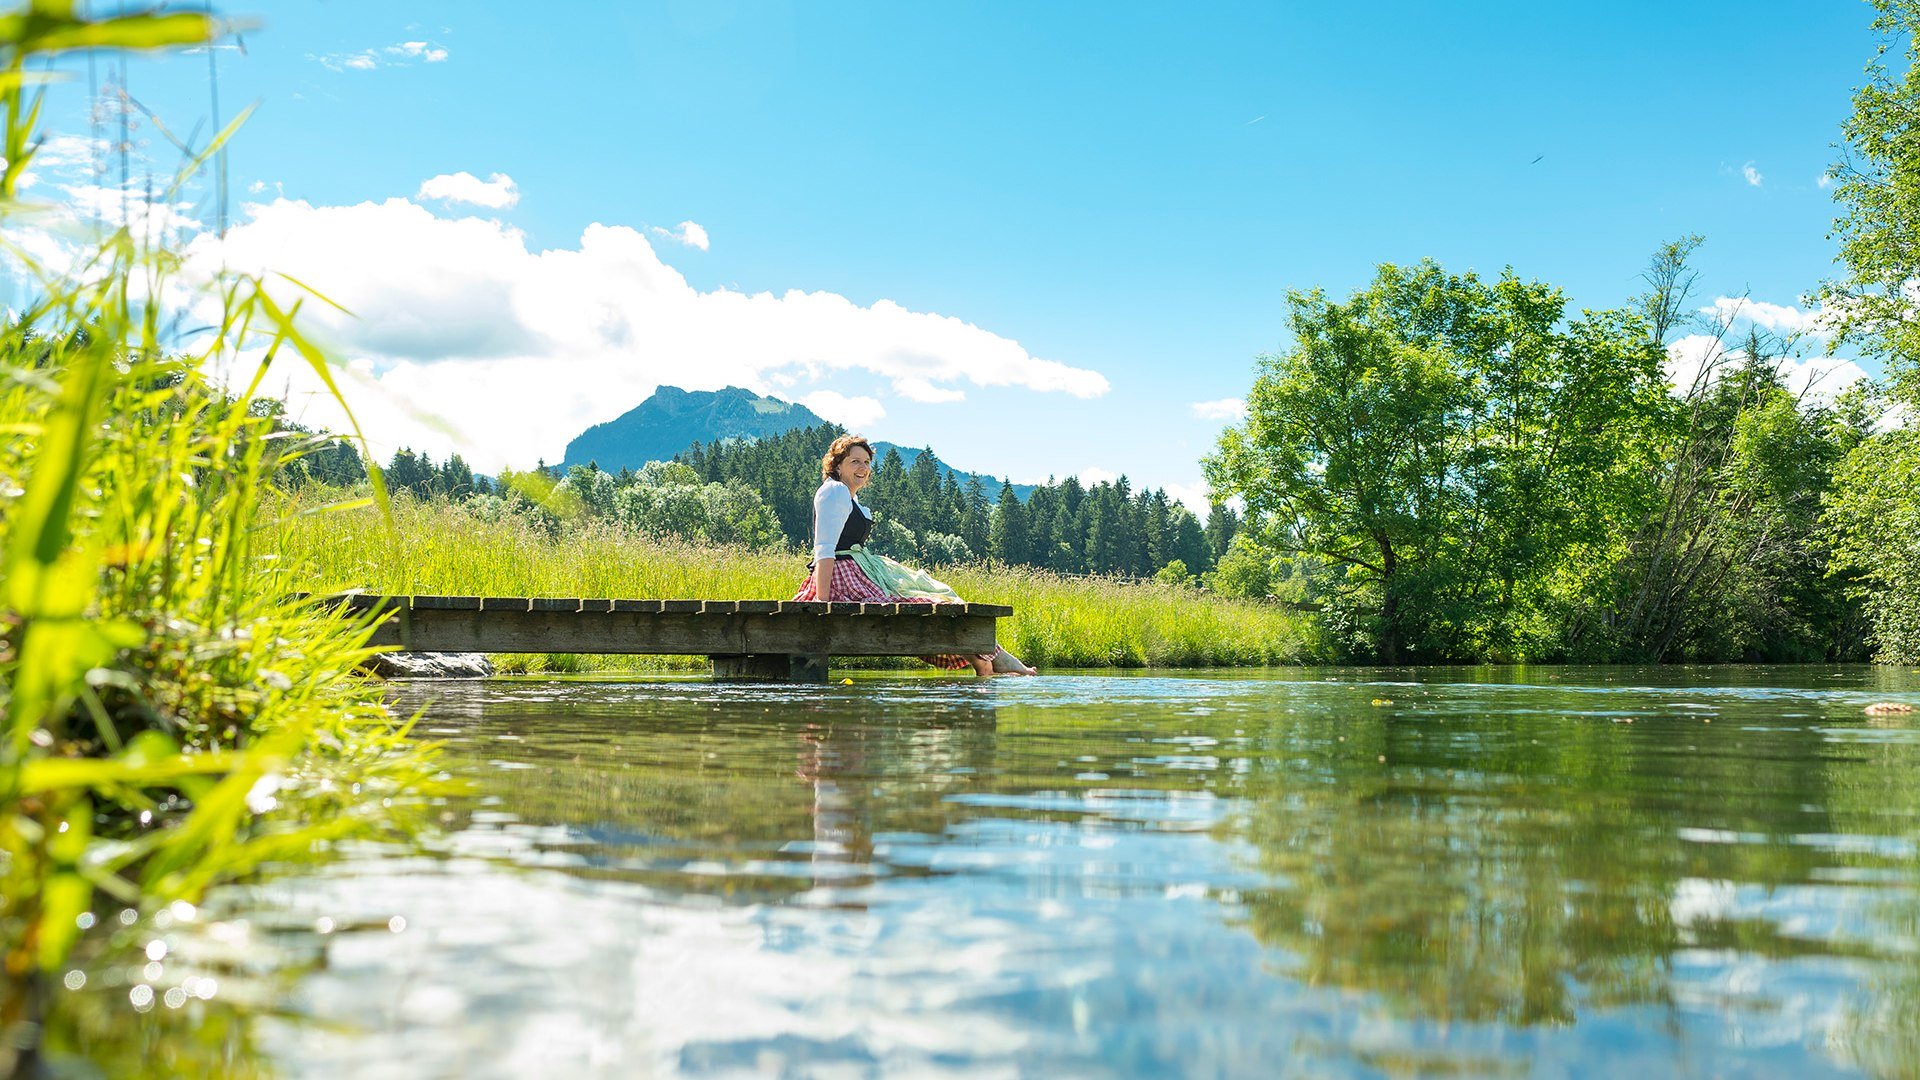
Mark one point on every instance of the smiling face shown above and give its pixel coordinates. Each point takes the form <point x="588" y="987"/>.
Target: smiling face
<point x="855" y="469"/>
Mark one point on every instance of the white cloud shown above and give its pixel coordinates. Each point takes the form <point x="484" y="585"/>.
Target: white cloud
<point x="496" y="192"/>
<point x="418" y="50"/>
<point x="1752" y="174"/>
<point x="1703" y="356"/>
<point x="1819" y="378"/>
<point x="1786" y="318"/>
<point x="454" y="316"/>
<point x="1223" y="409"/>
<point x="920" y="390"/>
<point x="853" y="413"/>
<point x="1824" y="181"/>
<point x="397" y="55"/>
<point x="688" y="233"/>
<point x="1193" y="496"/>
<point x="1094" y="474"/>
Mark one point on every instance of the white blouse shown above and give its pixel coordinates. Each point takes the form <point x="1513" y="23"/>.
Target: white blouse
<point x="832" y="505"/>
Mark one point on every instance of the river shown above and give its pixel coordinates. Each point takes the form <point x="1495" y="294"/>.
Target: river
<point x="1526" y="872"/>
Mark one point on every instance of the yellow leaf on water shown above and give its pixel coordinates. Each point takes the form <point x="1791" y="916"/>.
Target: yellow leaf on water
<point x="1382" y="701"/>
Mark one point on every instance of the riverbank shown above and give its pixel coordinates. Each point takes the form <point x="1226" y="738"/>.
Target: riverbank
<point x="464" y="549"/>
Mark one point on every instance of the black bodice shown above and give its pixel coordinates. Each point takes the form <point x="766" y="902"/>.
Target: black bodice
<point x="859" y="527"/>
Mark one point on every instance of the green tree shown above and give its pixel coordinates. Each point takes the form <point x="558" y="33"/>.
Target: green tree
<point x="1452" y="446"/>
<point x="1874" y="509"/>
<point x="408" y="471"/>
<point x="1007" y="540"/>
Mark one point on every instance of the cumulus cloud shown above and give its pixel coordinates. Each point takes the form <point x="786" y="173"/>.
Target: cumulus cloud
<point x="521" y="349"/>
<point x="1192" y="496"/>
<point x="1223" y="409"/>
<point x="496" y="192"/>
<point x="852" y="413"/>
<point x="920" y="390"/>
<point x="1825" y="180"/>
<point x="1094" y="474"/>
<point x="1700" y="359"/>
<point x="1781" y="318"/>
<point x="1752" y="174"/>
<point x="687" y="233"/>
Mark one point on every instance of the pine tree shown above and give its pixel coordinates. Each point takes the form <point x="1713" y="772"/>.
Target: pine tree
<point x="1007" y="540"/>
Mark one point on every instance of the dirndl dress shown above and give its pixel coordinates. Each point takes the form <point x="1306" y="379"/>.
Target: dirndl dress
<point x="862" y="577"/>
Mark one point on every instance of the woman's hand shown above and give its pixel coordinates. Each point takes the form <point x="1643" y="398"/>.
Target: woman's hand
<point x="823" y="579"/>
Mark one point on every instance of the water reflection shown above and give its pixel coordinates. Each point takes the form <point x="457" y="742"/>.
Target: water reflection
<point x="1339" y="873"/>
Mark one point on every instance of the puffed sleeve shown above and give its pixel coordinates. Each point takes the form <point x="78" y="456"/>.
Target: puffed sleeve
<point x="831" y="506"/>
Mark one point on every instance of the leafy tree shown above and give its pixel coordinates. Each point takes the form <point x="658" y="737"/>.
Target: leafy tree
<point x="1874" y="507"/>
<point x="1174" y="573"/>
<point x="1245" y="570"/>
<point x="1452" y="446"/>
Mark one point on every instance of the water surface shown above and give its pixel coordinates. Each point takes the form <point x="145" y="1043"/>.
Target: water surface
<point x="1477" y="872"/>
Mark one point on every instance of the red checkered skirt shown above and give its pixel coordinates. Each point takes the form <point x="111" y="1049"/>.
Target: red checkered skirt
<point x="851" y="585"/>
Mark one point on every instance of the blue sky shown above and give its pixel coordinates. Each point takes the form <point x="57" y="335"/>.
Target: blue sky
<point x="1017" y="203"/>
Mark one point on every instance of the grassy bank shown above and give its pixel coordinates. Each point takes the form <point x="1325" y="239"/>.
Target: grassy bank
<point x="169" y="717"/>
<point x="448" y="548"/>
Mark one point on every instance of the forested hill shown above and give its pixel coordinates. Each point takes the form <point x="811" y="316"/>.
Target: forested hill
<point x="674" y="420"/>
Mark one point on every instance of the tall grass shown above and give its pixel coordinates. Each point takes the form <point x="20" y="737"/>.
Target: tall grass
<point x="439" y="547"/>
<point x="169" y="718"/>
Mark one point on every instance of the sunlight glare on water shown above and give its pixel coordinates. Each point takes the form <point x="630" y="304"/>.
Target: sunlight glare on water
<point x="1513" y="872"/>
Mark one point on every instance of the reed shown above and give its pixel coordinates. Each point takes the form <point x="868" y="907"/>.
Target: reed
<point x="169" y="717"/>
<point x="442" y="547"/>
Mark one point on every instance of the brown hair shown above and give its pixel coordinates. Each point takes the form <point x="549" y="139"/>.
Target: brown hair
<point x="837" y="453"/>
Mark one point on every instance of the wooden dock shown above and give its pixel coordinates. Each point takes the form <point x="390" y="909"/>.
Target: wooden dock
<point x="768" y="640"/>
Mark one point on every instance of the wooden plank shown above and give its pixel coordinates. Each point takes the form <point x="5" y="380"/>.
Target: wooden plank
<point x="504" y="603"/>
<point x="445" y="603"/>
<point x="757" y="607"/>
<point x="719" y="607"/>
<point x="367" y="601"/>
<point x="556" y="603"/>
<point x="842" y="607"/>
<point x="914" y="609"/>
<point x="595" y="607"/>
<point x="805" y="607"/>
<point x="993" y="611"/>
<point x="792" y="633"/>
<point x="651" y="607"/>
<point x="681" y="607"/>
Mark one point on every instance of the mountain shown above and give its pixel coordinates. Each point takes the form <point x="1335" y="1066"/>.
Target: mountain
<point x="674" y="419"/>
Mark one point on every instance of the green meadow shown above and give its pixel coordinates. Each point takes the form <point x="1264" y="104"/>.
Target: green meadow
<point x="436" y="546"/>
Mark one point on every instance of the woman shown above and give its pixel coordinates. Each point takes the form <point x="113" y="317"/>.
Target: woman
<point x="844" y="570"/>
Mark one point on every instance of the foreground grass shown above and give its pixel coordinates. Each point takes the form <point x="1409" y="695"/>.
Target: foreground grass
<point x="446" y="548"/>
<point x="170" y="717"/>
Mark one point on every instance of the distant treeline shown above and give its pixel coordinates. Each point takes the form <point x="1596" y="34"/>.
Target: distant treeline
<point x="760" y="493"/>
<point x="922" y="510"/>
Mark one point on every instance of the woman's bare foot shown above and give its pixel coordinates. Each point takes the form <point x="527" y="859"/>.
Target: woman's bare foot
<point x="1005" y="663"/>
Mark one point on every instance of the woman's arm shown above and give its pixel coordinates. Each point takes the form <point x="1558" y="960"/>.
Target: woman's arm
<point x="831" y="505"/>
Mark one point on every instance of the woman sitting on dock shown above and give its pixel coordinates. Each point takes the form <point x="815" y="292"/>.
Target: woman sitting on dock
<point x="844" y="570"/>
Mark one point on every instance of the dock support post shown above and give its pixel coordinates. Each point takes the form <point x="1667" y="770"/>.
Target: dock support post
<point x="771" y="667"/>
